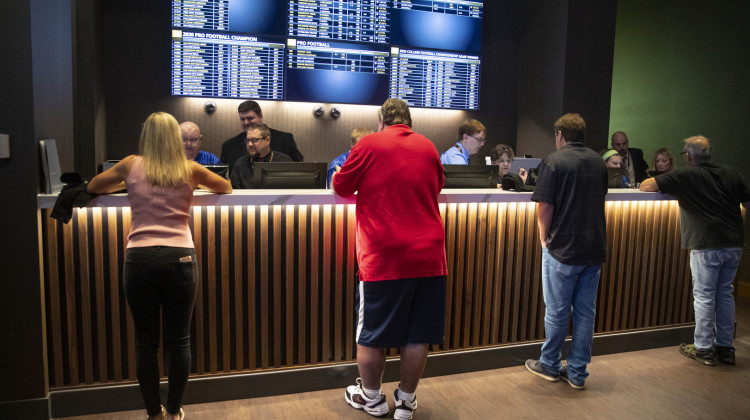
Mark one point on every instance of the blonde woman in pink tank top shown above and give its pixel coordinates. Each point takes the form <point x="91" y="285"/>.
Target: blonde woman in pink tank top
<point x="160" y="274"/>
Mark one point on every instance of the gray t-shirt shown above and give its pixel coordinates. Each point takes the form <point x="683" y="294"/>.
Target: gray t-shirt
<point x="709" y="196"/>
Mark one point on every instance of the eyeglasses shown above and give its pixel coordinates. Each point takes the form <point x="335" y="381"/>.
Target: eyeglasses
<point x="254" y="140"/>
<point x="480" y="139"/>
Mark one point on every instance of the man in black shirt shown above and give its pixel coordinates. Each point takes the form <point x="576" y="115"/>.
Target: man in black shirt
<point x="251" y="115"/>
<point x="258" y="146"/>
<point x="711" y="228"/>
<point x="570" y="191"/>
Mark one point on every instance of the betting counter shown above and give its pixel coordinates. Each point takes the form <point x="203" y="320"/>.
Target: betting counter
<point x="277" y="285"/>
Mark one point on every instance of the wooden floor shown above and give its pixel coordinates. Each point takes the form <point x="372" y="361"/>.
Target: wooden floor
<point x="654" y="384"/>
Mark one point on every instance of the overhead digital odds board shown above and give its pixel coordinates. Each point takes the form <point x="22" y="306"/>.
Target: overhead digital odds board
<point x="425" y="52"/>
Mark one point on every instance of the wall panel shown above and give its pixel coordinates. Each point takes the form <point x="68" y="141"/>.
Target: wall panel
<point x="277" y="287"/>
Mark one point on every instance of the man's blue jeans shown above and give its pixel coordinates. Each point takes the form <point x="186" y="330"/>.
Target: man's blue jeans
<point x="568" y="289"/>
<point x="713" y="272"/>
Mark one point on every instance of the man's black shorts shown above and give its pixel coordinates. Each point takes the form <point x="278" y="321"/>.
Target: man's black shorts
<point x="393" y="313"/>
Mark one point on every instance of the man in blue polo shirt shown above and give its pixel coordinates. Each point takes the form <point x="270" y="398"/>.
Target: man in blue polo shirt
<point x="192" y="138"/>
<point x="337" y="163"/>
<point x="471" y="137"/>
<point x="570" y="191"/>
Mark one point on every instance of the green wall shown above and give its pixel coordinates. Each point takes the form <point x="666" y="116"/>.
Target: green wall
<point x="682" y="68"/>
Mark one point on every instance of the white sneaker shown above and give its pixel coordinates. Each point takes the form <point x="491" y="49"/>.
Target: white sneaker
<point x="404" y="409"/>
<point x="355" y="397"/>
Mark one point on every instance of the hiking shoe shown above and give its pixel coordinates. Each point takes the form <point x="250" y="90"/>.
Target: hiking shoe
<point x="404" y="409"/>
<point x="564" y="377"/>
<point x="704" y="357"/>
<point x="356" y="398"/>
<point x="535" y="367"/>
<point x="725" y="355"/>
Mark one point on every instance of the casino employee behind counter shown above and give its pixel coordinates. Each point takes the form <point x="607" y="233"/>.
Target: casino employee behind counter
<point x="471" y="137"/>
<point x="258" y="146"/>
<point x="251" y="115"/>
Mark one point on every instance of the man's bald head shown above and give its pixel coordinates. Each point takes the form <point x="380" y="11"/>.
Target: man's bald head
<point x="191" y="137"/>
<point x="620" y="143"/>
<point x="191" y="128"/>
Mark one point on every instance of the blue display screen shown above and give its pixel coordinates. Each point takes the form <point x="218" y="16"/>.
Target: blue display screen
<point x="435" y="79"/>
<point x="337" y="51"/>
<point x="255" y="17"/>
<point x="451" y="26"/>
<point x="225" y="65"/>
<point x="359" y="21"/>
<point x="324" y="71"/>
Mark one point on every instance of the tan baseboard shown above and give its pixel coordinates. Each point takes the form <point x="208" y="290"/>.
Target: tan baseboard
<point x="743" y="289"/>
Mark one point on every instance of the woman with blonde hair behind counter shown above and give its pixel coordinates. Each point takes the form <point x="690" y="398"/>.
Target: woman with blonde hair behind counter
<point x="160" y="274"/>
<point x="663" y="162"/>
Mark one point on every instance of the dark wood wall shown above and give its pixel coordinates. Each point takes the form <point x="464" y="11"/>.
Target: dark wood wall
<point x="87" y="73"/>
<point x="277" y="284"/>
<point x="137" y="42"/>
<point x="566" y="66"/>
<point x="539" y="60"/>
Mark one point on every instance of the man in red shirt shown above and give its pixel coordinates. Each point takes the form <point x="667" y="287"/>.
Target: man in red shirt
<point x="397" y="176"/>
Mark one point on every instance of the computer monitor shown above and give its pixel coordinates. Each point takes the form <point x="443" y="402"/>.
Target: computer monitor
<point x="218" y="169"/>
<point x="108" y="164"/>
<point x="614" y="177"/>
<point x="51" y="166"/>
<point x="286" y="175"/>
<point x="526" y="163"/>
<point x="471" y="176"/>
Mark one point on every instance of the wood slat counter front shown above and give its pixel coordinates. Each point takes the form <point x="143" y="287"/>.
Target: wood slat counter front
<point x="277" y="279"/>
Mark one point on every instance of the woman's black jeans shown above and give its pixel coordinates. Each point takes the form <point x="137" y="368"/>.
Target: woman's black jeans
<point x="161" y="279"/>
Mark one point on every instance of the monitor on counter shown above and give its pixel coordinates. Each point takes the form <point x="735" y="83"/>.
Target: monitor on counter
<point x="471" y="176"/>
<point x="109" y="164"/>
<point x="615" y="177"/>
<point x="51" y="166"/>
<point x="526" y="163"/>
<point x="290" y="175"/>
<point x="220" y="169"/>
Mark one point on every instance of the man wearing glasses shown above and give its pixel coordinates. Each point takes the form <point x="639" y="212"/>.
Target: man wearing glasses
<point x="711" y="228"/>
<point x="251" y="115"/>
<point x="192" y="138"/>
<point x="471" y="137"/>
<point x="258" y="144"/>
